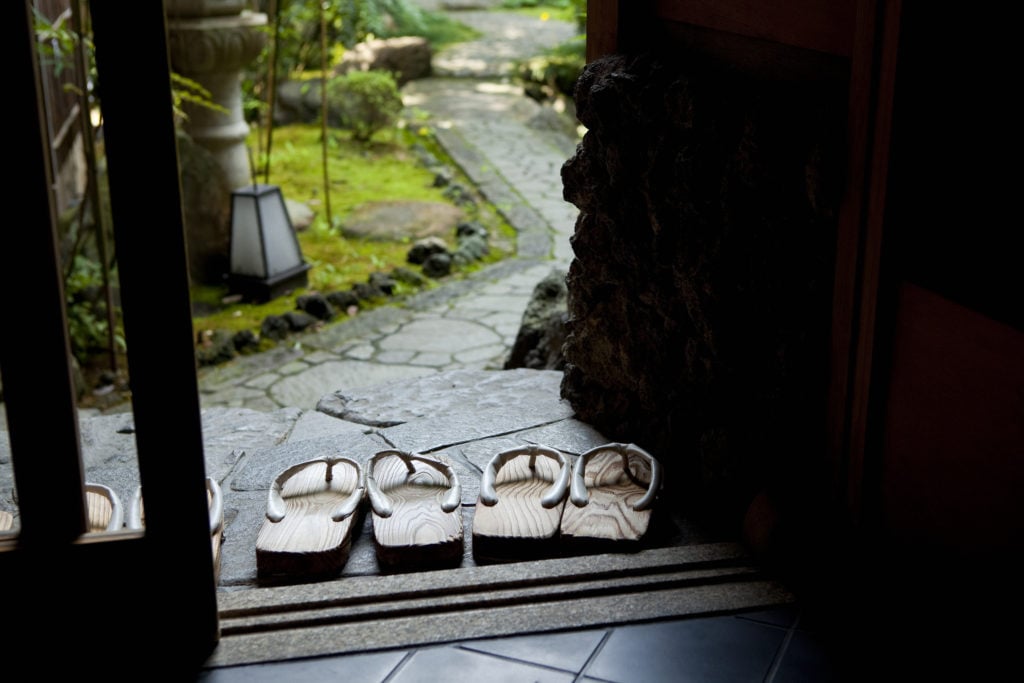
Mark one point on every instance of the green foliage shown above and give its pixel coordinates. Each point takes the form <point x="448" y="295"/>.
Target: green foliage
<point x="558" y="69"/>
<point x="184" y="90"/>
<point x="566" y="10"/>
<point x="349" y="22"/>
<point x="366" y="101"/>
<point x="87" y="317"/>
<point x="57" y="42"/>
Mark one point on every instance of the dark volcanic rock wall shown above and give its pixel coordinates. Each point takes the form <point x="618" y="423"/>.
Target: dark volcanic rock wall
<point x="700" y="293"/>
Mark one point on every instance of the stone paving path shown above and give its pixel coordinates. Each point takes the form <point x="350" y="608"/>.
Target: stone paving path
<point x="419" y="375"/>
<point x="513" y="149"/>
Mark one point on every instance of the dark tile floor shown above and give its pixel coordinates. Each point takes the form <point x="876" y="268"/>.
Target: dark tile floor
<point x="764" y="646"/>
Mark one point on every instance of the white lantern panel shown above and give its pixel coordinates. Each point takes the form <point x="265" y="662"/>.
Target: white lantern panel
<point x="282" y="248"/>
<point x="246" y="243"/>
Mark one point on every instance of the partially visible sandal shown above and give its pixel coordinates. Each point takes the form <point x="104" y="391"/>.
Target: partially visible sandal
<point x="103" y="505"/>
<point x="312" y="510"/>
<point x="136" y="518"/>
<point x="613" y="490"/>
<point x="522" y="492"/>
<point x="104" y="511"/>
<point x="416" y="504"/>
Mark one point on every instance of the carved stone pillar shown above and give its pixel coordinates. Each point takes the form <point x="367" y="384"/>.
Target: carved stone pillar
<point x="211" y="41"/>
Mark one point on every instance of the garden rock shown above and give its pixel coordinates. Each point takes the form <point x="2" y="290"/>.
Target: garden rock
<point x="424" y="249"/>
<point x="298" y="320"/>
<point x="438" y="265"/>
<point x="207" y="210"/>
<point x="215" y="347"/>
<point x="408" y="276"/>
<point x="384" y="282"/>
<point x="365" y="291"/>
<point x="297" y="102"/>
<point x="275" y="327"/>
<point x="542" y="332"/>
<point x="406" y="57"/>
<point x="344" y="299"/>
<point x="316" y="305"/>
<point x="300" y="214"/>
<point x="396" y="220"/>
<point x="459" y="194"/>
<point x="245" y="341"/>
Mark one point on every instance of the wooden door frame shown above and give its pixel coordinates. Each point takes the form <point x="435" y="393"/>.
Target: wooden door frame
<point x="866" y="33"/>
<point x="110" y="599"/>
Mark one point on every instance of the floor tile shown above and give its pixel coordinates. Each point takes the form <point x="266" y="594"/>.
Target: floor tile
<point x="568" y="651"/>
<point x="358" y="668"/>
<point x="805" y="660"/>
<point x="784" y="617"/>
<point x="709" y="650"/>
<point x="455" y="665"/>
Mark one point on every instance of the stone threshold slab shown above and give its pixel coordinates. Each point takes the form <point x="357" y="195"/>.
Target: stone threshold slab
<point x="361" y="614"/>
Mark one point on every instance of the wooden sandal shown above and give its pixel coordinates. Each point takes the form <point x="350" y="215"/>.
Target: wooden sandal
<point x="311" y="510"/>
<point x="613" y="490"/>
<point x="105" y="512"/>
<point x="520" y="504"/>
<point x="417" y="511"/>
<point x="136" y="518"/>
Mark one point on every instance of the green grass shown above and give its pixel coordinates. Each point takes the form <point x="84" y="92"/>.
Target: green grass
<point x="559" y="11"/>
<point x="442" y="31"/>
<point x="385" y="169"/>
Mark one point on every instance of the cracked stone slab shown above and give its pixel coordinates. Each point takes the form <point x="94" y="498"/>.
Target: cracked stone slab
<point x="533" y="393"/>
<point x="307" y="388"/>
<point x="316" y="425"/>
<point x="432" y="432"/>
<point x="261" y="467"/>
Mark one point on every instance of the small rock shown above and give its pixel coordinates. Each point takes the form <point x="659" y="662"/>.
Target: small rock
<point x="298" y="320"/>
<point x="365" y="291"/>
<point x="438" y="265"/>
<point x="274" y="327"/>
<point x="316" y="305"/>
<point x="384" y="282"/>
<point x="343" y="300"/>
<point x="245" y="340"/>
<point x="408" y="276"/>
<point x="423" y="249"/>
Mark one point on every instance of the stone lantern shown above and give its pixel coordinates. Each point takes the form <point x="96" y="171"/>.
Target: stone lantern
<point x="211" y="42"/>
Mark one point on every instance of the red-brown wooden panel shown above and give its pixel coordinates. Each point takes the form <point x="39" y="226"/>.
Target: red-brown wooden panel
<point x="822" y="25"/>
<point x="953" y="450"/>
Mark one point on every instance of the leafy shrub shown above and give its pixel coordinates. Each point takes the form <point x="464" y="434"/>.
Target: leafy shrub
<point x="365" y="101"/>
<point x="558" y="69"/>
<point x="86" y="312"/>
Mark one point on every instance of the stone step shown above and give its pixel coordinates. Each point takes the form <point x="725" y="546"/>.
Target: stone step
<point x="366" y="613"/>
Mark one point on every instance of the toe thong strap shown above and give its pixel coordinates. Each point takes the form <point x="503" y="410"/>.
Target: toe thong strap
<point x="382" y="504"/>
<point x="275" y="502"/>
<point x="578" y="490"/>
<point x="554" y="495"/>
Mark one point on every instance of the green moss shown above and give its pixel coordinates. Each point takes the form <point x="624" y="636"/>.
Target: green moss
<point x="384" y="170"/>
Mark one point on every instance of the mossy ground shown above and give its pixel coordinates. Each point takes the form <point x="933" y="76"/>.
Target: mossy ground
<point x="385" y="169"/>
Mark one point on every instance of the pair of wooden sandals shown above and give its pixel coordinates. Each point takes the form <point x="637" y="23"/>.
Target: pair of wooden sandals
<point x="314" y="508"/>
<point x="105" y="512"/>
<point x="535" y="502"/>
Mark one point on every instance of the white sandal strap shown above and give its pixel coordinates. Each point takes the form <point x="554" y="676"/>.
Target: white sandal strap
<point x="554" y="495"/>
<point x="382" y="504"/>
<point x="275" y="502"/>
<point x="578" y="492"/>
<point x="116" y="511"/>
<point x="133" y="518"/>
